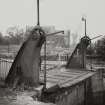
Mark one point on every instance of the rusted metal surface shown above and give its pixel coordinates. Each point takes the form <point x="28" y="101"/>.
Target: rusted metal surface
<point x="63" y="77"/>
<point x="76" y="87"/>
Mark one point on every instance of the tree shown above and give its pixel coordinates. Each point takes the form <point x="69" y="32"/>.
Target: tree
<point x="27" y="32"/>
<point x="16" y="35"/>
<point x="100" y="48"/>
<point x="1" y="39"/>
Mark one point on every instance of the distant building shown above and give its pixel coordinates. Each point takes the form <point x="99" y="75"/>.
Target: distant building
<point x="67" y="38"/>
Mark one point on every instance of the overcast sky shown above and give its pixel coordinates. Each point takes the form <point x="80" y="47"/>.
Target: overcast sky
<point x="63" y="14"/>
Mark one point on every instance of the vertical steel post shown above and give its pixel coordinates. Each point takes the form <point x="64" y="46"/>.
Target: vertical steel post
<point x="84" y="65"/>
<point x="45" y="64"/>
<point x="84" y="19"/>
<point x="91" y="58"/>
<point x="38" y="22"/>
<point x="84" y="50"/>
<point x="85" y="26"/>
<point x="85" y="92"/>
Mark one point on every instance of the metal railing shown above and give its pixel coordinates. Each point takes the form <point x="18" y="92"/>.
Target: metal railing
<point x="5" y="65"/>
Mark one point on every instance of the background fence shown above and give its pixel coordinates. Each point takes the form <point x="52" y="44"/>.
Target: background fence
<point x="5" y="65"/>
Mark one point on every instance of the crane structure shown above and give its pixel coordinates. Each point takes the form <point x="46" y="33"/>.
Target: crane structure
<point x="25" y="70"/>
<point x="26" y="66"/>
<point x="78" y="56"/>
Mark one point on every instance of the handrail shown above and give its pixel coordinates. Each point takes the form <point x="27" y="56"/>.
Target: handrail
<point x="6" y="60"/>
